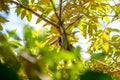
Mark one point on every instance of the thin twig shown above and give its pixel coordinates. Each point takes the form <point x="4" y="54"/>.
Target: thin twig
<point x="73" y="22"/>
<point x="35" y="13"/>
<point x="60" y="9"/>
<point x="112" y="7"/>
<point x="55" y="11"/>
<point x="98" y="61"/>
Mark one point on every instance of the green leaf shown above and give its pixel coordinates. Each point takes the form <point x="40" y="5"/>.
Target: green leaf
<point x="99" y="56"/>
<point x="77" y="51"/>
<point x="115" y="37"/>
<point x="63" y="54"/>
<point x="38" y="20"/>
<point x="3" y="37"/>
<point x="18" y="10"/>
<point x="1" y="28"/>
<point x="5" y="70"/>
<point x="23" y="14"/>
<point x="29" y="16"/>
<point x="4" y="6"/>
<point x="16" y="37"/>
<point x="92" y="75"/>
<point x="25" y="2"/>
<point x="2" y="19"/>
<point x="11" y="33"/>
<point x="9" y="56"/>
<point x="29" y="36"/>
<point x="14" y="43"/>
<point x="28" y="32"/>
<point x="115" y="30"/>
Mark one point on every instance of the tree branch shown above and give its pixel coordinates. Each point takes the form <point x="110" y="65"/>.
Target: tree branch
<point x="55" y="11"/>
<point x="73" y="22"/>
<point x="60" y="9"/>
<point x="35" y="13"/>
<point x="62" y="28"/>
<point x="102" y="63"/>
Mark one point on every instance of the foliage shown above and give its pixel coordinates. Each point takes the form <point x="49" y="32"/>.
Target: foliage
<point x="5" y="70"/>
<point x="97" y="76"/>
<point x="48" y="52"/>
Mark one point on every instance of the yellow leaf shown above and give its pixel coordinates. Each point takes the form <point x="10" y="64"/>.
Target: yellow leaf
<point x="39" y="31"/>
<point x="90" y="30"/>
<point x="54" y="30"/>
<point x="105" y="47"/>
<point x="105" y="36"/>
<point x="2" y="19"/>
<point x="107" y="19"/>
<point x="89" y="0"/>
<point x="96" y="46"/>
<point x="83" y="29"/>
<point x="44" y="1"/>
<point x="54" y="17"/>
<point x="108" y="30"/>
